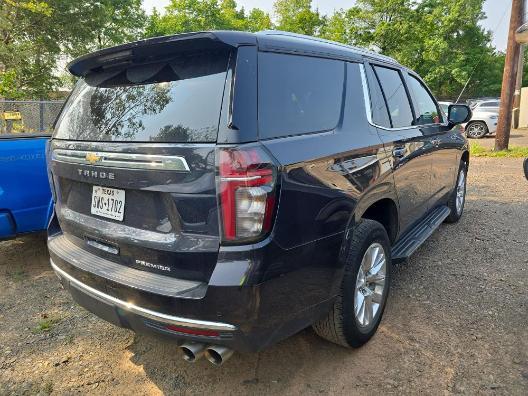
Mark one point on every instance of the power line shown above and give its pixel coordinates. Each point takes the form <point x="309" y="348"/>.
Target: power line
<point x="482" y="56"/>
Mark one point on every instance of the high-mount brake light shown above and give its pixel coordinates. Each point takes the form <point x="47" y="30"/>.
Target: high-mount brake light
<point x="247" y="180"/>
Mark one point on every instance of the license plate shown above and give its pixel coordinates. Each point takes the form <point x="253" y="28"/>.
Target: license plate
<point x="108" y="202"/>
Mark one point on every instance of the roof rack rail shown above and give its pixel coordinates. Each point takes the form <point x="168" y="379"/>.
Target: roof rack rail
<point x="359" y="50"/>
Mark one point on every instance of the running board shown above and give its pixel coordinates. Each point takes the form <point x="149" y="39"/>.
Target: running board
<point x="417" y="235"/>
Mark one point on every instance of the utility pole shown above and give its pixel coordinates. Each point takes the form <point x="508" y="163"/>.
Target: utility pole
<point x="509" y="77"/>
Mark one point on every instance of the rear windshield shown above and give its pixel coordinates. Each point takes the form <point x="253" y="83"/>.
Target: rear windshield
<point x="177" y="100"/>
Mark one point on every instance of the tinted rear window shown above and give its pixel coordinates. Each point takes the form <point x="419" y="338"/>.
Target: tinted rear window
<point x="380" y="114"/>
<point x="172" y="101"/>
<point x="298" y="94"/>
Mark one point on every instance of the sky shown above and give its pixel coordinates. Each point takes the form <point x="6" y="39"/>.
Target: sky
<point x="497" y="12"/>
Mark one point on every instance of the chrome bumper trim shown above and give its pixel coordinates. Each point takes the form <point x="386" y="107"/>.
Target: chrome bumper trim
<point x="121" y="160"/>
<point x="147" y="313"/>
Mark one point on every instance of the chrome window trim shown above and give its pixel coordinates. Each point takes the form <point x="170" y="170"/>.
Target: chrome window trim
<point x="144" y="312"/>
<point x="122" y="160"/>
<point x="368" y="107"/>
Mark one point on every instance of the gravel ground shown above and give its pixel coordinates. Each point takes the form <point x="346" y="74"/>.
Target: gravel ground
<point x="456" y="322"/>
<point x="518" y="137"/>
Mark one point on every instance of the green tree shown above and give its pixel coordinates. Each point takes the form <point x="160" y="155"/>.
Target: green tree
<point x="182" y="16"/>
<point x="385" y="24"/>
<point x="453" y="46"/>
<point x="487" y="80"/>
<point x="35" y="34"/>
<point x="297" y="16"/>
<point x="336" y="28"/>
<point x="258" y="20"/>
<point x="185" y="16"/>
<point x="231" y="17"/>
<point x="440" y="39"/>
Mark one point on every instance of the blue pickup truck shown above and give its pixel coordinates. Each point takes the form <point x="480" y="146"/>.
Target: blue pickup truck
<point x="25" y="197"/>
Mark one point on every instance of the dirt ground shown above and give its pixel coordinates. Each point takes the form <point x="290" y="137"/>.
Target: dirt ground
<point x="456" y="322"/>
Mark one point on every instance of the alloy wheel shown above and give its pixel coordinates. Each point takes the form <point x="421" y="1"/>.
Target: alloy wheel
<point x="460" y="191"/>
<point x="476" y="130"/>
<point x="370" y="285"/>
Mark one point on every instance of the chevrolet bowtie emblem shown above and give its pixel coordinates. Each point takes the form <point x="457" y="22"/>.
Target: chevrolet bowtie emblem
<point x="92" y="158"/>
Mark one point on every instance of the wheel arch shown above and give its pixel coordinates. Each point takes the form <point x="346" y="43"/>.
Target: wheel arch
<point x="385" y="212"/>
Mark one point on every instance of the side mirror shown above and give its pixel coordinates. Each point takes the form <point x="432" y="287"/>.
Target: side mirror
<point x="458" y="114"/>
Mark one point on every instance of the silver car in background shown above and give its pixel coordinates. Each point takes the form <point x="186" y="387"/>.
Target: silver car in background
<point x="484" y="119"/>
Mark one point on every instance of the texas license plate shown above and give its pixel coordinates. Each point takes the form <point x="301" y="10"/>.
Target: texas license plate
<point x="108" y="202"/>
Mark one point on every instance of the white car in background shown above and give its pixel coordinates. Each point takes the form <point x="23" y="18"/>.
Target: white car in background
<point x="484" y="119"/>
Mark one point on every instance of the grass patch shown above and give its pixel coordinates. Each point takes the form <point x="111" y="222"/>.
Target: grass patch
<point x="18" y="274"/>
<point x="48" y="388"/>
<point x="476" y="150"/>
<point x="45" y="325"/>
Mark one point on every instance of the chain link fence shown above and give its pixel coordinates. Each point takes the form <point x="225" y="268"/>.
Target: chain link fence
<point x="28" y="116"/>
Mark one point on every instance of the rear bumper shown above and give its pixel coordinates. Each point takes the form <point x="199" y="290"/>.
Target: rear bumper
<point x="245" y="318"/>
<point x="110" y="302"/>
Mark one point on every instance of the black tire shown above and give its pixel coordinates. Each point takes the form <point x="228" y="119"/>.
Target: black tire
<point x="341" y="326"/>
<point x="455" y="213"/>
<point x="476" y="130"/>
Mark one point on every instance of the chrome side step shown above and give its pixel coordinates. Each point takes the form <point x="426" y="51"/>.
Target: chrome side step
<point x="417" y="235"/>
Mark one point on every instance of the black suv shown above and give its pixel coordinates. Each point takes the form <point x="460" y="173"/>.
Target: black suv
<point x="229" y="189"/>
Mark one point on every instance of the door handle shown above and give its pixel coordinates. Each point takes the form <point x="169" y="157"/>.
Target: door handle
<point x="398" y="152"/>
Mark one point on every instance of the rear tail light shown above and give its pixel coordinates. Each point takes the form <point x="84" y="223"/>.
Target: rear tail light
<point x="247" y="192"/>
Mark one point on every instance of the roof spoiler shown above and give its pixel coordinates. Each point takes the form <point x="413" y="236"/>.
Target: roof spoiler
<point x="157" y="48"/>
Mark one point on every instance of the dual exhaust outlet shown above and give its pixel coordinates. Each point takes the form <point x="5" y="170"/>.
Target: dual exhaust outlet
<point x="216" y="354"/>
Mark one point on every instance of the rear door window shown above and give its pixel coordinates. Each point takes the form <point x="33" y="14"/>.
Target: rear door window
<point x="380" y="113"/>
<point x="395" y="96"/>
<point x="424" y="105"/>
<point x="177" y="100"/>
<point x="298" y="94"/>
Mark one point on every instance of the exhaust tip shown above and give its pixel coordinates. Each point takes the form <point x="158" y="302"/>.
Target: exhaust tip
<point x="218" y="355"/>
<point x="188" y="355"/>
<point x="192" y="352"/>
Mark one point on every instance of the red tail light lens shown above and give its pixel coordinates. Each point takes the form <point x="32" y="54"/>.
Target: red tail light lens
<point x="247" y="178"/>
<point x="198" y="332"/>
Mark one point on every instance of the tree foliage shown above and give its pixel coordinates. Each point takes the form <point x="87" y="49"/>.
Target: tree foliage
<point x="35" y="34"/>
<point x="297" y="16"/>
<point x="198" y="15"/>
<point x="440" y="39"/>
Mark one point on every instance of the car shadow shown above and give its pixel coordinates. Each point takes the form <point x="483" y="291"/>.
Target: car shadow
<point x="26" y="255"/>
<point x="278" y="368"/>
